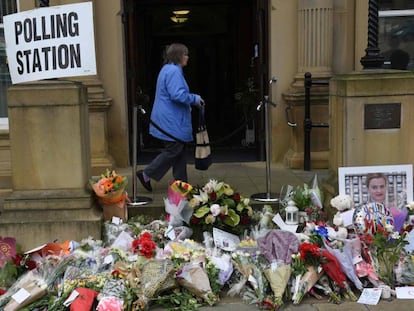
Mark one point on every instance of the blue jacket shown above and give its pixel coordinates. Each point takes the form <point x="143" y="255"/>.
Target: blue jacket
<point x="172" y="105"/>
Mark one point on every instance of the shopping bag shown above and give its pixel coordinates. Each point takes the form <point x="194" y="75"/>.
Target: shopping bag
<point x="202" y="158"/>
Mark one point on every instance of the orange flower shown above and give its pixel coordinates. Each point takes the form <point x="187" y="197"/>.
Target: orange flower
<point x="108" y="185"/>
<point x="118" y="179"/>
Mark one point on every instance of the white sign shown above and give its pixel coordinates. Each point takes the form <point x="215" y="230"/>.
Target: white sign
<point x="50" y="42"/>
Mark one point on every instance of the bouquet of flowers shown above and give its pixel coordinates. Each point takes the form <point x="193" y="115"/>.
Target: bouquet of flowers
<point x="12" y="262"/>
<point x="343" y="253"/>
<point x="110" y="191"/>
<point x="306" y="269"/>
<point x="216" y="204"/>
<point x="248" y="280"/>
<point x="144" y="245"/>
<point x="308" y="199"/>
<point x="387" y="249"/>
<point x="176" y="205"/>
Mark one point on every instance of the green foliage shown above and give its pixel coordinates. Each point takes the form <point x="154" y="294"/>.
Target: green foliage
<point x="178" y="299"/>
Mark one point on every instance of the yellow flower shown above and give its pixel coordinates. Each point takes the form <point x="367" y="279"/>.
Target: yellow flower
<point x="210" y="219"/>
<point x="228" y="190"/>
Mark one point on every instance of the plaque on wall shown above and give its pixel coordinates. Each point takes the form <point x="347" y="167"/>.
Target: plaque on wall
<point x="382" y="116"/>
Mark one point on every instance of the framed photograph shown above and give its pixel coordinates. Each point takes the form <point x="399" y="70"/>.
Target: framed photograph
<point x="389" y="184"/>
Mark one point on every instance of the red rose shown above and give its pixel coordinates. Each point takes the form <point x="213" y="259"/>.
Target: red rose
<point x="147" y="248"/>
<point x="195" y="220"/>
<point x="213" y="196"/>
<point x="30" y="264"/>
<point x="2" y="291"/>
<point x="146" y="236"/>
<point x="17" y="260"/>
<point x="237" y="197"/>
<point x="244" y="220"/>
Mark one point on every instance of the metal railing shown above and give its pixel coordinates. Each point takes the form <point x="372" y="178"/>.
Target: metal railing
<point x="307" y="123"/>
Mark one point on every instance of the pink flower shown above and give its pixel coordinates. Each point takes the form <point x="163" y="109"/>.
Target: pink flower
<point x="7" y="250"/>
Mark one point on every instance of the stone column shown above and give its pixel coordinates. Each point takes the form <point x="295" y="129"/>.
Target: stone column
<point x="50" y="152"/>
<point x="315" y="48"/>
<point x="371" y="113"/>
<point x="99" y="105"/>
<point x="315" y="38"/>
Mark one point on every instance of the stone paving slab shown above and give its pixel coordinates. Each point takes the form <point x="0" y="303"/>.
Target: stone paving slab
<point x="310" y="304"/>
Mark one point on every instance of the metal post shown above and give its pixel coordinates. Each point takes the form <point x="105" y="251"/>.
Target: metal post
<point x="268" y="196"/>
<point x="307" y="123"/>
<point x="136" y="201"/>
<point x="372" y="58"/>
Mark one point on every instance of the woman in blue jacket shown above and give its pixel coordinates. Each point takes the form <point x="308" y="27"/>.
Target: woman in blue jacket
<point x="171" y="118"/>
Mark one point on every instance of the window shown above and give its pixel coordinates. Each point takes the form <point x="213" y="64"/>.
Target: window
<point x="396" y="38"/>
<point x="6" y="7"/>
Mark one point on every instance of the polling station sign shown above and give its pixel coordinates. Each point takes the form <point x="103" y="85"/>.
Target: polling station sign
<point x="50" y="42"/>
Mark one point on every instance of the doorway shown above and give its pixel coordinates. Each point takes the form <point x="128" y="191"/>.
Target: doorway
<point x="227" y="43"/>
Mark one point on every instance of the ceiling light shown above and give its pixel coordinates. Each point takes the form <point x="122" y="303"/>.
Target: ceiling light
<point x="181" y="12"/>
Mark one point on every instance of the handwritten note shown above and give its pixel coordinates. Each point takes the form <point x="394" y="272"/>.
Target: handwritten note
<point x="370" y="296"/>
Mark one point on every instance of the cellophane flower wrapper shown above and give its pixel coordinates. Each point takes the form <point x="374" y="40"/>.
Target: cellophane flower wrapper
<point x="343" y="254"/>
<point x="111" y="231"/>
<point x="33" y="283"/>
<point x="178" y="191"/>
<point x="278" y="246"/>
<point x="157" y="276"/>
<point x="362" y="268"/>
<point x="244" y="267"/>
<point x="176" y="205"/>
<point x="194" y="278"/>
<point x="225" y="265"/>
<point x="264" y="224"/>
<point x="110" y="304"/>
<point x="258" y="290"/>
<point x="113" y="197"/>
<point x="404" y="273"/>
<point x="113" y="288"/>
<point x="278" y="277"/>
<point x="306" y="282"/>
<point x="89" y="255"/>
<point x="315" y="193"/>
<point x="332" y="268"/>
<point x="179" y="213"/>
<point x="324" y="285"/>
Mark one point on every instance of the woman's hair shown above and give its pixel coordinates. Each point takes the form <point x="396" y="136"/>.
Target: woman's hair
<point x="175" y="52"/>
<point x="371" y="176"/>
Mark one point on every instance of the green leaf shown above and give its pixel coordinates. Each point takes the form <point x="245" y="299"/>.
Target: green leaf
<point x="202" y="211"/>
<point x="229" y="202"/>
<point x="232" y="218"/>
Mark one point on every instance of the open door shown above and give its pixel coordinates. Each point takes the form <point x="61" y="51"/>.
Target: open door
<point x="227" y="43"/>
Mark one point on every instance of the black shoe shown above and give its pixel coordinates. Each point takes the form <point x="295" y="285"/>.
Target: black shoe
<point x="145" y="184"/>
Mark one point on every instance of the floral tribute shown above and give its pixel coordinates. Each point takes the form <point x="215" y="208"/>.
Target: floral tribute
<point x="308" y="199"/>
<point x="109" y="189"/>
<point x="216" y="204"/>
<point x="12" y="261"/>
<point x="144" y="245"/>
<point x="146" y="262"/>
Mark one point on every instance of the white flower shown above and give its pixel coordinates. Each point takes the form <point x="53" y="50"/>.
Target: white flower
<point x="202" y="197"/>
<point x="246" y="201"/>
<point x="395" y="235"/>
<point x="215" y="209"/>
<point x="389" y="228"/>
<point x="410" y="205"/>
<point x="213" y="186"/>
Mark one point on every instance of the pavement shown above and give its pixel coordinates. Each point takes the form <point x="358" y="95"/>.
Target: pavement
<point x="247" y="178"/>
<point x="254" y="179"/>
